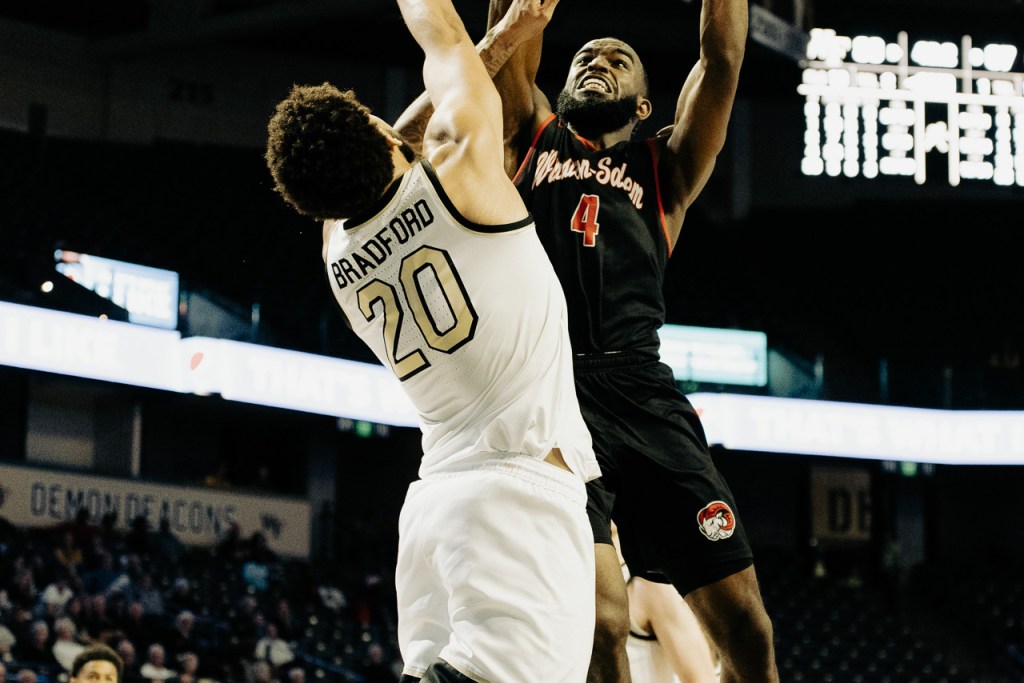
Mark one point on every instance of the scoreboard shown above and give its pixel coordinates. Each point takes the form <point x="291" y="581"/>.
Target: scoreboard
<point x="875" y="107"/>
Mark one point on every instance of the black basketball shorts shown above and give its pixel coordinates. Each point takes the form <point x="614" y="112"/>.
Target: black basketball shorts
<point x="676" y="516"/>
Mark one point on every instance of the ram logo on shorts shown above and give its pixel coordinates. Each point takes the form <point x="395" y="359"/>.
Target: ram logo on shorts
<point x="716" y="521"/>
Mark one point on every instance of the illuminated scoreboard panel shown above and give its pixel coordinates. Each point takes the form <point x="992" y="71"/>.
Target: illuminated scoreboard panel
<point x="874" y="108"/>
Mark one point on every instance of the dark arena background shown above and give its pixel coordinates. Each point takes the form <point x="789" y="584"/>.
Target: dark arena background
<point x="189" y="428"/>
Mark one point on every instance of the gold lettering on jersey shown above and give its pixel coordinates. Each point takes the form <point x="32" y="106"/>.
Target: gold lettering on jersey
<point x="375" y="251"/>
<point x="550" y="169"/>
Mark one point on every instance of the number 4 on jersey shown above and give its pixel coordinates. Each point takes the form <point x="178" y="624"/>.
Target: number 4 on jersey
<point x="584" y="219"/>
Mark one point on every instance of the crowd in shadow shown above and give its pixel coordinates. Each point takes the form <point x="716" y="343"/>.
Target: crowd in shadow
<point x="232" y="613"/>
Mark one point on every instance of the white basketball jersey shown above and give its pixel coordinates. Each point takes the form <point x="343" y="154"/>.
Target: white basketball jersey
<point x="647" y="661"/>
<point x="471" y="319"/>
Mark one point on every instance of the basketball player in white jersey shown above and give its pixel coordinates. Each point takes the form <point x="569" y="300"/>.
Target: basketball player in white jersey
<point x="666" y="643"/>
<point x="436" y="265"/>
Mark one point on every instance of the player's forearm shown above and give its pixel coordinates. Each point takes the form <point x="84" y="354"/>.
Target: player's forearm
<point x="434" y="24"/>
<point x="723" y="33"/>
<point x="519" y="32"/>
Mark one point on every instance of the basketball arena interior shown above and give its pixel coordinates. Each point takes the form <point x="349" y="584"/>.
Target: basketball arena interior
<point x="845" y="306"/>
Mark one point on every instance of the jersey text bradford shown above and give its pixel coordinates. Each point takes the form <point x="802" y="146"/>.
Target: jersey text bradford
<point x="378" y="248"/>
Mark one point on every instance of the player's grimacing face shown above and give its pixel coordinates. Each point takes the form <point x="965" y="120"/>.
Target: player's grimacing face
<point x="605" y="69"/>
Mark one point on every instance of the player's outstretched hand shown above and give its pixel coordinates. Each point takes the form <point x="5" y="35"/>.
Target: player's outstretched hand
<point x="532" y="11"/>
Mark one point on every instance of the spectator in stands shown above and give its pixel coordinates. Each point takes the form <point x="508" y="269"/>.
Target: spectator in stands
<point x="66" y="645"/>
<point x="68" y="553"/>
<point x="37" y="648"/>
<point x="23" y="592"/>
<point x="180" y="597"/>
<point x="246" y="626"/>
<point x="56" y="595"/>
<point x="82" y="529"/>
<point x="375" y="667"/>
<point x="27" y="675"/>
<point x="182" y="637"/>
<point x="262" y="672"/>
<point x="287" y="625"/>
<point x="149" y="595"/>
<point x="97" y="621"/>
<point x="20" y="624"/>
<point x="188" y="668"/>
<point x="137" y="625"/>
<point x="127" y="577"/>
<point x="274" y="649"/>
<point x="155" y="667"/>
<point x="75" y="609"/>
<point x="3" y="671"/>
<point x="297" y="674"/>
<point x="126" y="650"/>
<point x="6" y="606"/>
<point x="257" y="569"/>
<point x="256" y="576"/>
<point x="7" y="641"/>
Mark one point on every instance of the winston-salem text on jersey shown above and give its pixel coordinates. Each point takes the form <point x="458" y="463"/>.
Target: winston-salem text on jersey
<point x="551" y="170"/>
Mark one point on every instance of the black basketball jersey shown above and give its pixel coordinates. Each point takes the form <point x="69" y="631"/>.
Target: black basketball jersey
<point x="600" y="218"/>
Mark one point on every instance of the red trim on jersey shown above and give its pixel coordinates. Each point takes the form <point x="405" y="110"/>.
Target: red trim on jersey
<point x="585" y="142"/>
<point x="533" y="147"/>
<point x="657" y="192"/>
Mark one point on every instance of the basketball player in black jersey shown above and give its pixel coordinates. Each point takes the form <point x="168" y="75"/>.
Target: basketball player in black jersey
<point x="609" y="209"/>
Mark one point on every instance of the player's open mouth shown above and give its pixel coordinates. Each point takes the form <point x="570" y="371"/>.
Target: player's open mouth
<point x="594" y="83"/>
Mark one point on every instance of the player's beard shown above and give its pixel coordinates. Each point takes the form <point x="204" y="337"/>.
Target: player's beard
<point x="592" y="117"/>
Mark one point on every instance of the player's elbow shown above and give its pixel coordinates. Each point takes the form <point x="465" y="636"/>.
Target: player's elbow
<point x="723" y="61"/>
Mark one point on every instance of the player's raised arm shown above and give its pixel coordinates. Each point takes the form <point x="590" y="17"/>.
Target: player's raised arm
<point x="524" y="106"/>
<point x="703" y="108"/>
<point x="454" y="76"/>
<point x="522" y="21"/>
<point x="463" y="137"/>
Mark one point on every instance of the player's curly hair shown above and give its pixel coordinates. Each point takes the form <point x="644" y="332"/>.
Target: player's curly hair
<point x="326" y="156"/>
<point x="97" y="652"/>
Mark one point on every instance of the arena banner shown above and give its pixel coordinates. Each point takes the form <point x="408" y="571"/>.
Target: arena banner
<point x="84" y="346"/>
<point x="40" y="498"/>
<point x="251" y="373"/>
<point x="841" y="505"/>
<point x="856" y="430"/>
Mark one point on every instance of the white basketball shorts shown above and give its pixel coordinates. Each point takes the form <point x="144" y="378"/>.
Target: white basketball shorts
<point x="496" y="573"/>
